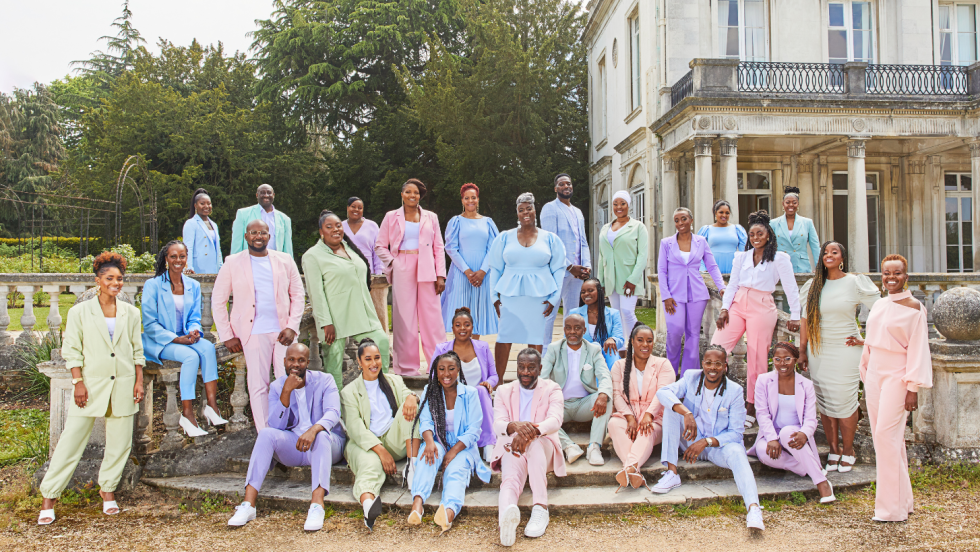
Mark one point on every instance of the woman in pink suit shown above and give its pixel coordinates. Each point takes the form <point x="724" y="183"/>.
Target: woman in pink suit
<point x="636" y="425"/>
<point x="683" y="291"/>
<point x="411" y="248"/>
<point x="895" y="363"/>
<point x="786" y="406"/>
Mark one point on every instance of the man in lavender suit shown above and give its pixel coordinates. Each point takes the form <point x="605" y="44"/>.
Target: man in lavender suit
<point x="304" y="430"/>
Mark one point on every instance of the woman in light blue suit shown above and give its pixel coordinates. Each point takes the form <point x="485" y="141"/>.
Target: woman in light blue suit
<point x="605" y="331"/>
<point x="794" y="232"/>
<point x="172" y="331"/>
<point x="201" y="237"/>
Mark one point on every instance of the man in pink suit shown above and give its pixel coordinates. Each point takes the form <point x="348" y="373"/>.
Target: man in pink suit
<point x="527" y="415"/>
<point x="265" y="314"/>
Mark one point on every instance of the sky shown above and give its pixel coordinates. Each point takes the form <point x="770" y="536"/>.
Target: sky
<point x="40" y="38"/>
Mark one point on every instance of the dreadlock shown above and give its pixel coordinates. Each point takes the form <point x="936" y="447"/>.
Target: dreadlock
<point x="383" y="384"/>
<point x="813" y="297"/>
<point x="197" y="193"/>
<point x="629" y="359"/>
<point x="436" y="399"/>
<point x="761" y="217"/>
<point x="601" y="331"/>
<point x="161" y="265"/>
<point x="724" y="380"/>
<point x="327" y="213"/>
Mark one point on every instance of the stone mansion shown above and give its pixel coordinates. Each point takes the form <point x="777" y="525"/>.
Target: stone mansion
<point x="871" y="108"/>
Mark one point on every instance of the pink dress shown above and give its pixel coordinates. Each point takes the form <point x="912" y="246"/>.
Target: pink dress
<point x="895" y="360"/>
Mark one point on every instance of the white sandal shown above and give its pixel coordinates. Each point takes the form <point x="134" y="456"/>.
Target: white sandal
<point x="110" y="505"/>
<point x="850" y="460"/>
<point x="832" y="467"/>
<point x="45" y="514"/>
<point x="749" y="421"/>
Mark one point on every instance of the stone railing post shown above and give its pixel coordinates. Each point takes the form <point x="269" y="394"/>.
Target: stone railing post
<point x="143" y="426"/>
<point x="239" y="397"/>
<point x="5" y="338"/>
<point x="54" y="314"/>
<point x="59" y="398"/>
<point x="715" y="75"/>
<point x="174" y="439"/>
<point x="207" y="318"/>
<point x="973" y="80"/>
<point x="27" y="320"/>
<point x="855" y="73"/>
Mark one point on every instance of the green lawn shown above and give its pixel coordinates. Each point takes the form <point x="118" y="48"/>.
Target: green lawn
<point x="41" y="314"/>
<point x="647" y="316"/>
<point x="23" y="436"/>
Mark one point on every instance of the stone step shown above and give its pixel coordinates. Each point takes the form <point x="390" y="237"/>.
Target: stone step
<point x="289" y="494"/>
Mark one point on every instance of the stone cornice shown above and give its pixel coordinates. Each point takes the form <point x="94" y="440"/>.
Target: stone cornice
<point x="598" y="10"/>
<point x="636" y="137"/>
<point x="603" y="162"/>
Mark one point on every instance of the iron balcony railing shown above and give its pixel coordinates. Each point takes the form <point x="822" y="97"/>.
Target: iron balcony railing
<point x="683" y="88"/>
<point x="925" y="80"/>
<point x="792" y="78"/>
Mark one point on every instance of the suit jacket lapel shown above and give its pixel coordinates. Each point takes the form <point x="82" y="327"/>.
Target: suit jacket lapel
<point x="120" y="324"/>
<point x="364" y="404"/>
<point x="395" y="244"/>
<point x="772" y="396"/>
<point x="247" y="271"/>
<point x="800" y="397"/>
<point x="95" y="312"/>
<point x="170" y="312"/>
<point x="274" y="264"/>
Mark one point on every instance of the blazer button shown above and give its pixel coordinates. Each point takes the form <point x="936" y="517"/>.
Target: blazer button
<point x="112" y="377"/>
<point x="112" y="354"/>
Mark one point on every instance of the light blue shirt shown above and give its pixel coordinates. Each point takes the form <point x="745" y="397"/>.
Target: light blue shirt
<point x="568" y="223"/>
<point x="706" y="415"/>
<point x="266" y="317"/>
<point x="269" y="217"/>
<point x="410" y="241"/>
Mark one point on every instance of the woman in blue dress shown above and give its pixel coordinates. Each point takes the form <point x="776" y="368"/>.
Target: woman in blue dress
<point x="468" y="240"/>
<point x="527" y="268"/>
<point x="605" y="326"/>
<point x="724" y="238"/>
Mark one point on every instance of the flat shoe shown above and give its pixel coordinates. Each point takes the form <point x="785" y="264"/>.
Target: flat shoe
<point x="46" y="514"/>
<point x="851" y="460"/>
<point x="110" y="505"/>
<point x="749" y="421"/>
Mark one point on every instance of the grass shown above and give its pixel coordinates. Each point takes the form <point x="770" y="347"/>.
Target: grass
<point x="41" y="314"/>
<point x="646" y="315"/>
<point x="206" y="503"/>
<point x="944" y="477"/>
<point x="23" y="437"/>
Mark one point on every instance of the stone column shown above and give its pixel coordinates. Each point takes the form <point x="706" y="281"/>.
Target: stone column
<point x="207" y="318"/>
<point x="728" y="169"/>
<point x="917" y="250"/>
<point x="5" y="338"/>
<point x="54" y="314"/>
<point x="975" y="173"/>
<point x="670" y="196"/>
<point x="857" y="206"/>
<point x="934" y="196"/>
<point x="703" y="198"/>
<point x="804" y="179"/>
<point x="27" y="320"/>
<point x="955" y="425"/>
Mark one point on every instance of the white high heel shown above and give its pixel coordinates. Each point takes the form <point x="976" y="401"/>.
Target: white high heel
<point x="829" y="498"/>
<point x="213" y="417"/>
<point x="190" y="429"/>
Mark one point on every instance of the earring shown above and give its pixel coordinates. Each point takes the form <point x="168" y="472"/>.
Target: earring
<point x="841" y="267"/>
<point x="906" y="286"/>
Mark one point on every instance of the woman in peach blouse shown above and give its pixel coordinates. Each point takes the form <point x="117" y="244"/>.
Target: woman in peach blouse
<point x="895" y="363"/>
<point x="636" y="425"/>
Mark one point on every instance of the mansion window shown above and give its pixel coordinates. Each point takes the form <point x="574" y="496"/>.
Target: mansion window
<point x="754" y="193"/>
<point x="742" y="29"/>
<point x="638" y="207"/>
<point x="600" y="101"/>
<point x="957" y="34"/>
<point x="851" y="32"/>
<point x="635" y="89"/>
<point x="959" y="222"/>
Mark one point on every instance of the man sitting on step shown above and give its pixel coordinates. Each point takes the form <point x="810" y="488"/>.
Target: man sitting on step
<point x="579" y="367"/>
<point x="710" y="410"/>
<point x="527" y="415"/>
<point x="304" y="430"/>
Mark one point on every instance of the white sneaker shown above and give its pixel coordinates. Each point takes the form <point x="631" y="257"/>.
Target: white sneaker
<point x="573" y="452"/>
<point x="754" y="518"/>
<point x="314" y="518"/>
<point x="538" y="522"/>
<point x="509" y="521"/>
<point x="244" y="513"/>
<point x="595" y="455"/>
<point x="669" y="481"/>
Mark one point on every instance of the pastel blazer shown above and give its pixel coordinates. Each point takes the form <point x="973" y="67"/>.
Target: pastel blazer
<point x="322" y="403"/>
<point x="432" y="257"/>
<point x="160" y="318"/>
<point x="467" y="426"/>
<point x="547" y="411"/>
<point x="338" y="291"/>
<point x="682" y="281"/>
<point x="657" y="374"/>
<point x="483" y="354"/>
<point x="614" y="329"/>
<point x="356" y="409"/>
<point x="767" y="404"/>
<point x="795" y="243"/>
<point x="245" y="215"/>
<point x="203" y="253"/>
<point x="235" y="279"/>
<point x="593" y="371"/>
<point x="554" y="218"/>
<point x="108" y="366"/>
<point x="729" y="425"/>
<point x="624" y="260"/>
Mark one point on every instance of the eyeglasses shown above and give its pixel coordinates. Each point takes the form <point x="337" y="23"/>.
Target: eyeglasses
<point x="787" y="360"/>
<point x="712" y="364"/>
<point x="253" y="233"/>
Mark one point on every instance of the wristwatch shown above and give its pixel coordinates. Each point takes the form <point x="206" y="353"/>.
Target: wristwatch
<point x="708" y="440"/>
<point x="75" y="381"/>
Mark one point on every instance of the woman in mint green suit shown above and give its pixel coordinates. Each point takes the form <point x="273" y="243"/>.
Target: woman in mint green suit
<point x="794" y="233"/>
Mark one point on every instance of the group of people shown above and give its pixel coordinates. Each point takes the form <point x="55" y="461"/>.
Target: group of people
<point x="467" y="420"/>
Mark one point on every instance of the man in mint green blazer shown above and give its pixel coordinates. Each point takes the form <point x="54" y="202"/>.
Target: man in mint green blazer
<point x="280" y="225"/>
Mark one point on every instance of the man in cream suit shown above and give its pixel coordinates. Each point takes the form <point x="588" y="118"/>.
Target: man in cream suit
<point x="280" y="226"/>
<point x="580" y="369"/>
<point x="265" y="315"/>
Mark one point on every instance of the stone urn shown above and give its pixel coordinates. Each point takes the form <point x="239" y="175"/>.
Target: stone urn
<point x="956" y="314"/>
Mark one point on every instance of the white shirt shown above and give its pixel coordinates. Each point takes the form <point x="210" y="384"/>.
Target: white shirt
<point x="686" y="255"/>
<point x="573" y="388"/>
<point x="451" y="420"/>
<point x="472" y="372"/>
<point x="527" y="397"/>
<point x="639" y="380"/>
<point x="179" y="311"/>
<point x="111" y="324"/>
<point x="787" y="414"/>
<point x="592" y="331"/>
<point x="764" y="277"/>
<point x="266" y="318"/>
<point x="611" y="235"/>
<point x="381" y="418"/>
<point x="269" y="218"/>
<point x="410" y="241"/>
<point x="299" y="399"/>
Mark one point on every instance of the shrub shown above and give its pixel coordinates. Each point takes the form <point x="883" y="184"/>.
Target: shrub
<point x="36" y="351"/>
<point x="135" y="263"/>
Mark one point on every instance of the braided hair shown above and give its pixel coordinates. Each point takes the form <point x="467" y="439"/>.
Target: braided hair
<point x="327" y="213"/>
<point x="383" y="384"/>
<point x="761" y="217"/>
<point x="601" y="331"/>
<point x="629" y="359"/>
<point x="198" y="192"/>
<point x="724" y="380"/>
<point x="813" y="297"/>
<point x="436" y="398"/>
<point x="160" y="267"/>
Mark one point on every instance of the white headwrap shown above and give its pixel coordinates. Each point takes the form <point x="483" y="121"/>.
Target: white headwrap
<point x="625" y="196"/>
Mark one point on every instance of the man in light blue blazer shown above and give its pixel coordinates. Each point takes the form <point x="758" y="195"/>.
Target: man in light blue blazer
<point x="794" y="242"/>
<point x="280" y="225"/>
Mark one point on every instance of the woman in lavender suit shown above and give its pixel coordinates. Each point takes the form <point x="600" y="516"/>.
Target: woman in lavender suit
<point x="363" y="232"/>
<point x="683" y="291"/>
<point x="478" y="368"/>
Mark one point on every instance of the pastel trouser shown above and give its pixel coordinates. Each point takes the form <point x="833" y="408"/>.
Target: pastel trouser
<point x="201" y="356"/>
<point x="627" y="313"/>
<point x="801" y="462"/>
<point x="71" y="445"/>
<point x="487" y="437"/>
<point x="633" y="452"/>
<point x="571" y="291"/>
<point x="369" y="475"/>
<point x="333" y="356"/>
<point x="415" y="311"/>
<point x="885" y="395"/>
<point x="327" y="450"/>
<point x="531" y="467"/>
<point x="754" y="314"/>
<point x="455" y="477"/>
<point x="730" y="456"/>
<point x="262" y="352"/>
<point x="685" y="323"/>
<point x="580" y="410"/>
